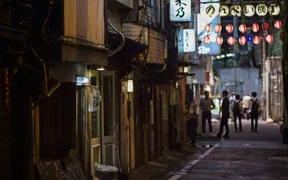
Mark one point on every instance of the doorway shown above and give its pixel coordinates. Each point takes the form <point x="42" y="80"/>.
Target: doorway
<point x="108" y="118"/>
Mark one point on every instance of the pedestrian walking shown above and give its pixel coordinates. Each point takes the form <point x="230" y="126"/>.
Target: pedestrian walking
<point x="254" y="108"/>
<point x="225" y="107"/>
<point x="237" y="112"/>
<point x="192" y="118"/>
<point x="245" y="102"/>
<point x="206" y="106"/>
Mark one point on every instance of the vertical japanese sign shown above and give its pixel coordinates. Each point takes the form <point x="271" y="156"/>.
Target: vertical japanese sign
<point x="180" y="10"/>
<point x="209" y="14"/>
<point x="189" y="40"/>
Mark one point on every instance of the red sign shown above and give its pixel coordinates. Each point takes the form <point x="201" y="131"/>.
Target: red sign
<point x="242" y="28"/>
<point x="242" y="40"/>
<point x="255" y="27"/>
<point x="231" y="41"/>
<point x="256" y="39"/>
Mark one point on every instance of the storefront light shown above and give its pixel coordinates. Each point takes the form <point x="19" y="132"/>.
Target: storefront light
<point x="130" y="86"/>
<point x="102" y="68"/>
<point x="185" y="69"/>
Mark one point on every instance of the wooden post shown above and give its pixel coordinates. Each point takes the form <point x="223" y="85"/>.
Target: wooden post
<point x="36" y="135"/>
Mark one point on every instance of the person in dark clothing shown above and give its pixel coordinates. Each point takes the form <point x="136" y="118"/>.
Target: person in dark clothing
<point x="192" y="118"/>
<point x="237" y="112"/>
<point x="225" y="115"/>
<point x="206" y="105"/>
<point x="254" y="108"/>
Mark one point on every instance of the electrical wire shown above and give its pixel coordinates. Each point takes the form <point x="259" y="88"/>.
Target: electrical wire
<point x="122" y="42"/>
<point x="44" y="35"/>
<point x="44" y="69"/>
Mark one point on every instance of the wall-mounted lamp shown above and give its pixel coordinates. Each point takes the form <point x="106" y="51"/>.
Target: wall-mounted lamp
<point x="177" y="84"/>
<point x="130" y="86"/>
<point x="102" y="68"/>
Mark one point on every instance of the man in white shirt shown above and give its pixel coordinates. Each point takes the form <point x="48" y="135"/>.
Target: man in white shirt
<point x="245" y="101"/>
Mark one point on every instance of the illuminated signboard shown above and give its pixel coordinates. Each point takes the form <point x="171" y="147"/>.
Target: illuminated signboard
<point x="213" y="19"/>
<point x="180" y="10"/>
<point x="189" y="40"/>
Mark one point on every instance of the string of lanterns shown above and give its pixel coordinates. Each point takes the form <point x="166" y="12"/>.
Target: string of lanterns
<point x="242" y="29"/>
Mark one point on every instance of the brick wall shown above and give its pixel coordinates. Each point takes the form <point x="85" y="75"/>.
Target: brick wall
<point x="156" y="41"/>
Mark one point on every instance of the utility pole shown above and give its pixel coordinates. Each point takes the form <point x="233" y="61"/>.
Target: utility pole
<point x="235" y="51"/>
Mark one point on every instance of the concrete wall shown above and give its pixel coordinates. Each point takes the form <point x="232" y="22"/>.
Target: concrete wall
<point x="247" y="80"/>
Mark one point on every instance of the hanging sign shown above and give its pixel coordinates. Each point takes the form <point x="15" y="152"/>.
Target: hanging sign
<point x="261" y="10"/>
<point x="236" y="10"/>
<point x="249" y="10"/>
<point x="223" y="10"/>
<point x="274" y="9"/>
<point x="206" y="18"/>
<point x="189" y="40"/>
<point x="180" y="10"/>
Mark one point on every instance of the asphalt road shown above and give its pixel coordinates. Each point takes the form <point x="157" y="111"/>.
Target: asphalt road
<point x="244" y="156"/>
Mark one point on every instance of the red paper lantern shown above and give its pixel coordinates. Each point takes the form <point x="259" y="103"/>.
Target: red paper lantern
<point x="277" y="24"/>
<point x="255" y="27"/>
<point x="265" y="26"/>
<point x="231" y="41"/>
<point x="218" y="28"/>
<point x="269" y="38"/>
<point x="207" y="27"/>
<point x="229" y="28"/>
<point x="256" y="39"/>
<point x="242" y="40"/>
<point x="206" y="39"/>
<point x="242" y="28"/>
<point x="219" y="40"/>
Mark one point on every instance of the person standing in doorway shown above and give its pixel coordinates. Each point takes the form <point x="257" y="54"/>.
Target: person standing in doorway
<point x="237" y="112"/>
<point x="224" y="108"/>
<point x="206" y="106"/>
<point x="192" y="118"/>
<point x="246" y="100"/>
<point x="254" y="108"/>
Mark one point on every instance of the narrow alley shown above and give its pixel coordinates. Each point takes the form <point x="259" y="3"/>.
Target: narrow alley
<point x="245" y="155"/>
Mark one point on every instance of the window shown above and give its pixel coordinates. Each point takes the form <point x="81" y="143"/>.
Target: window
<point x="151" y="3"/>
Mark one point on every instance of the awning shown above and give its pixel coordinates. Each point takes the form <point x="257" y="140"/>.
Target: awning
<point x="130" y="49"/>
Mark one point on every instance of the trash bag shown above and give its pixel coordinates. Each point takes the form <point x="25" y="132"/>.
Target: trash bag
<point x="105" y="172"/>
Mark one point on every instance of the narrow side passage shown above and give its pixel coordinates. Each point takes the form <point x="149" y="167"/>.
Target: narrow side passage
<point x="246" y="155"/>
